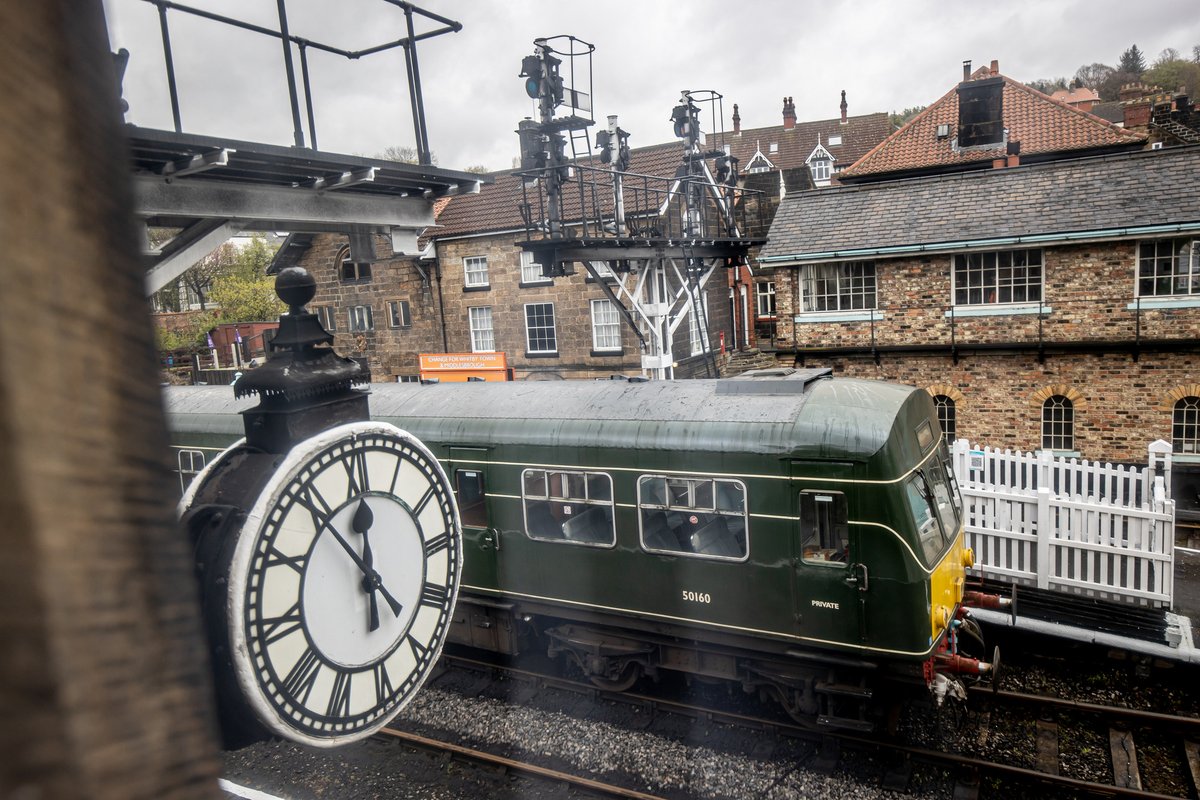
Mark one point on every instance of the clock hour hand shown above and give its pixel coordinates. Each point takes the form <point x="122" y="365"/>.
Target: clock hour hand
<point x="360" y="525"/>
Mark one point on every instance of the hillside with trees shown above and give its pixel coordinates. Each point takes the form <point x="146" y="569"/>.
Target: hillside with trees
<point x="1170" y="71"/>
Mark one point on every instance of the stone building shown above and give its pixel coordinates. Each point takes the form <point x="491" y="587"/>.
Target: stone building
<point x="1054" y="306"/>
<point x="474" y="290"/>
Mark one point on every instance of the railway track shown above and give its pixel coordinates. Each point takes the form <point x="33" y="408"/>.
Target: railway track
<point x="555" y="778"/>
<point x="979" y="774"/>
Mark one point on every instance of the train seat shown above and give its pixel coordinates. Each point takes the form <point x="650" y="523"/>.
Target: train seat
<point x="657" y="533"/>
<point x="592" y="526"/>
<point x="714" y="539"/>
<point x="541" y="523"/>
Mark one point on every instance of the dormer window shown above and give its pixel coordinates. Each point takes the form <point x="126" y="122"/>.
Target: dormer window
<point x="820" y="163"/>
<point x="759" y="162"/>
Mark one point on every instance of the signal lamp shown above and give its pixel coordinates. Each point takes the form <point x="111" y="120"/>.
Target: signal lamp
<point x="682" y="118"/>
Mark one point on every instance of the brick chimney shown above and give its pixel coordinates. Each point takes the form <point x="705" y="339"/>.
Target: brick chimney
<point x="737" y="119"/>
<point x="995" y="69"/>
<point x="844" y="106"/>
<point x="789" y="114"/>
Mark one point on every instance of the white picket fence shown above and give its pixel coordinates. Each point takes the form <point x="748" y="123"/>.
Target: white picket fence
<point x="1101" y="530"/>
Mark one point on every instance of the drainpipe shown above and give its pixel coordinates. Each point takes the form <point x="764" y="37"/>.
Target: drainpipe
<point x="437" y="274"/>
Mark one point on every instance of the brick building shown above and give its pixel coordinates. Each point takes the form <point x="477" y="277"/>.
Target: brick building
<point x="1054" y="306"/>
<point x="474" y="289"/>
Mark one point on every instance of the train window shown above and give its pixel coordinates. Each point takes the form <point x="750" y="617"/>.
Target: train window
<point x="825" y="534"/>
<point x="924" y="435"/>
<point x="567" y="506"/>
<point x="468" y="484"/>
<point x="933" y="511"/>
<point x="702" y="517"/>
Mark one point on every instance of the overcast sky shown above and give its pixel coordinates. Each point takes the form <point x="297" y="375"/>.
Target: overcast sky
<point x="886" y="54"/>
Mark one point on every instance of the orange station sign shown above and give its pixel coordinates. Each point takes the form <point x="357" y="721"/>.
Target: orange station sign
<point x="457" y="367"/>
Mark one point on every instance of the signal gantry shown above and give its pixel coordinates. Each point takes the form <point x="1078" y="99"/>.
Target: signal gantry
<point x="652" y="242"/>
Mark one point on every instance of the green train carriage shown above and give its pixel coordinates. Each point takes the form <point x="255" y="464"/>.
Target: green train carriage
<point x="794" y="534"/>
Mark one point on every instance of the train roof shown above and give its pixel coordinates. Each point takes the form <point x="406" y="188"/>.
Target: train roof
<point x="806" y="416"/>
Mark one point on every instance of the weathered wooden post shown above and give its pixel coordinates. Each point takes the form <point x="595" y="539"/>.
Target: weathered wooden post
<point x="104" y="685"/>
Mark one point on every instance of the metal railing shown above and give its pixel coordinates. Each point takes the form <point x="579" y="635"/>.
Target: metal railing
<point x="302" y="45"/>
<point x="656" y="208"/>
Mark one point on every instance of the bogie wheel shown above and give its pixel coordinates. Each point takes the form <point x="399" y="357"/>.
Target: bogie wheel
<point x="623" y="682"/>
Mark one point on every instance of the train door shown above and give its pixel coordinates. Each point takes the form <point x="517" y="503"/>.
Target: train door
<point x="481" y="542"/>
<point x="830" y="581"/>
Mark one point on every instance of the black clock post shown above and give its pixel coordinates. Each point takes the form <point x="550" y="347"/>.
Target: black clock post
<point x="328" y="549"/>
<point x="305" y="387"/>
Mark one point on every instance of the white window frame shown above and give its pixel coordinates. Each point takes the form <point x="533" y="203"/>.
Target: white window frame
<point x="850" y="293"/>
<point x="1058" y="411"/>
<point x="606" y="327"/>
<point x="1185" y="426"/>
<point x="764" y="294"/>
<point x="483" y="336"/>
<point x="327" y="316"/>
<point x="399" y="314"/>
<point x="475" y="271"/>
<point x="991" y="295"/>
<point x="1183" y="265"/>
<point x="553" y="327"/>
<point x="361" y="317"/>
<point x="531" y="271"/>
<point x="821" y="169"/>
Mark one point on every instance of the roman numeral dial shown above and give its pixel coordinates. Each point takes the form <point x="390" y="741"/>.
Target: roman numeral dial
<point x="344" y="590"/>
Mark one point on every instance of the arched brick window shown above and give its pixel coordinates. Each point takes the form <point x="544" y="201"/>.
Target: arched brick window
<point x="946" y="412"/>
<point x="1058" y="423"/>
<point x="1185" y="425"/>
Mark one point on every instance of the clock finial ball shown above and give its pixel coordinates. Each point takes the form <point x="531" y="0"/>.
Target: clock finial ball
<point x="295" y="286"/>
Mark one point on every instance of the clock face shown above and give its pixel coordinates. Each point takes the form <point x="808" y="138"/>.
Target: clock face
<point x="342" y="583"/>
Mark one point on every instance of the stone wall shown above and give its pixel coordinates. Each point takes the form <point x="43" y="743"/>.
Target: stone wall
<point x="1121" y="392"/>
<point x="390" y="352"/>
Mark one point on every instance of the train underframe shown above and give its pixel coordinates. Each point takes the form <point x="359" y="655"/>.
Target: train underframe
<point x="814" y="687"/>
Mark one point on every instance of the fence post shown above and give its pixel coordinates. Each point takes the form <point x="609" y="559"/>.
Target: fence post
<point x="1044" y="534"/>
<point x="1158" y="465"/>
<point x="960" y="449"/>
<point x="1045" y="462"/>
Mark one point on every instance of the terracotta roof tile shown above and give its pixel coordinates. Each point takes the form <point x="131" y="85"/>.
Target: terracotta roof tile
<point x="496" y="207"/>
<point x="1041" y="124"/>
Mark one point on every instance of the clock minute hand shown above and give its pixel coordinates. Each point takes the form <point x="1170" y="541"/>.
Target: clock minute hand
<point x="366" y="570"/>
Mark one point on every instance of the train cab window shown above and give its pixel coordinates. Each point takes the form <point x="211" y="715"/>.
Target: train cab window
<point x="468" y="490"/>
<point x="568" y="506"/>
<point x="933" y="510"/>
<point x="701" y="517"/>
<point x="825" y="534"/>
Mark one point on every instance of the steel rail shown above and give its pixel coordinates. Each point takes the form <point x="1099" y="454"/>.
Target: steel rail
<point x="522" y="767"/>
<point x="1131" y="714"/>
<point x="924" y="754"/>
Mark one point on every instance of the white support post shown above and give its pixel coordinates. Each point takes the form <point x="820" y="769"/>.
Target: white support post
<point x="1158" y="463"/>
<point x="1045" y="532"/>
<point x="1045" y="463"/>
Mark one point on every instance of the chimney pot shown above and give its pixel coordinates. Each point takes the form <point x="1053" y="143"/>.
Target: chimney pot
<point x="737" y="119"/>
<point x="844" y="106"/>
<point x="789" y="114"/>
<point x="967" y="69"/>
